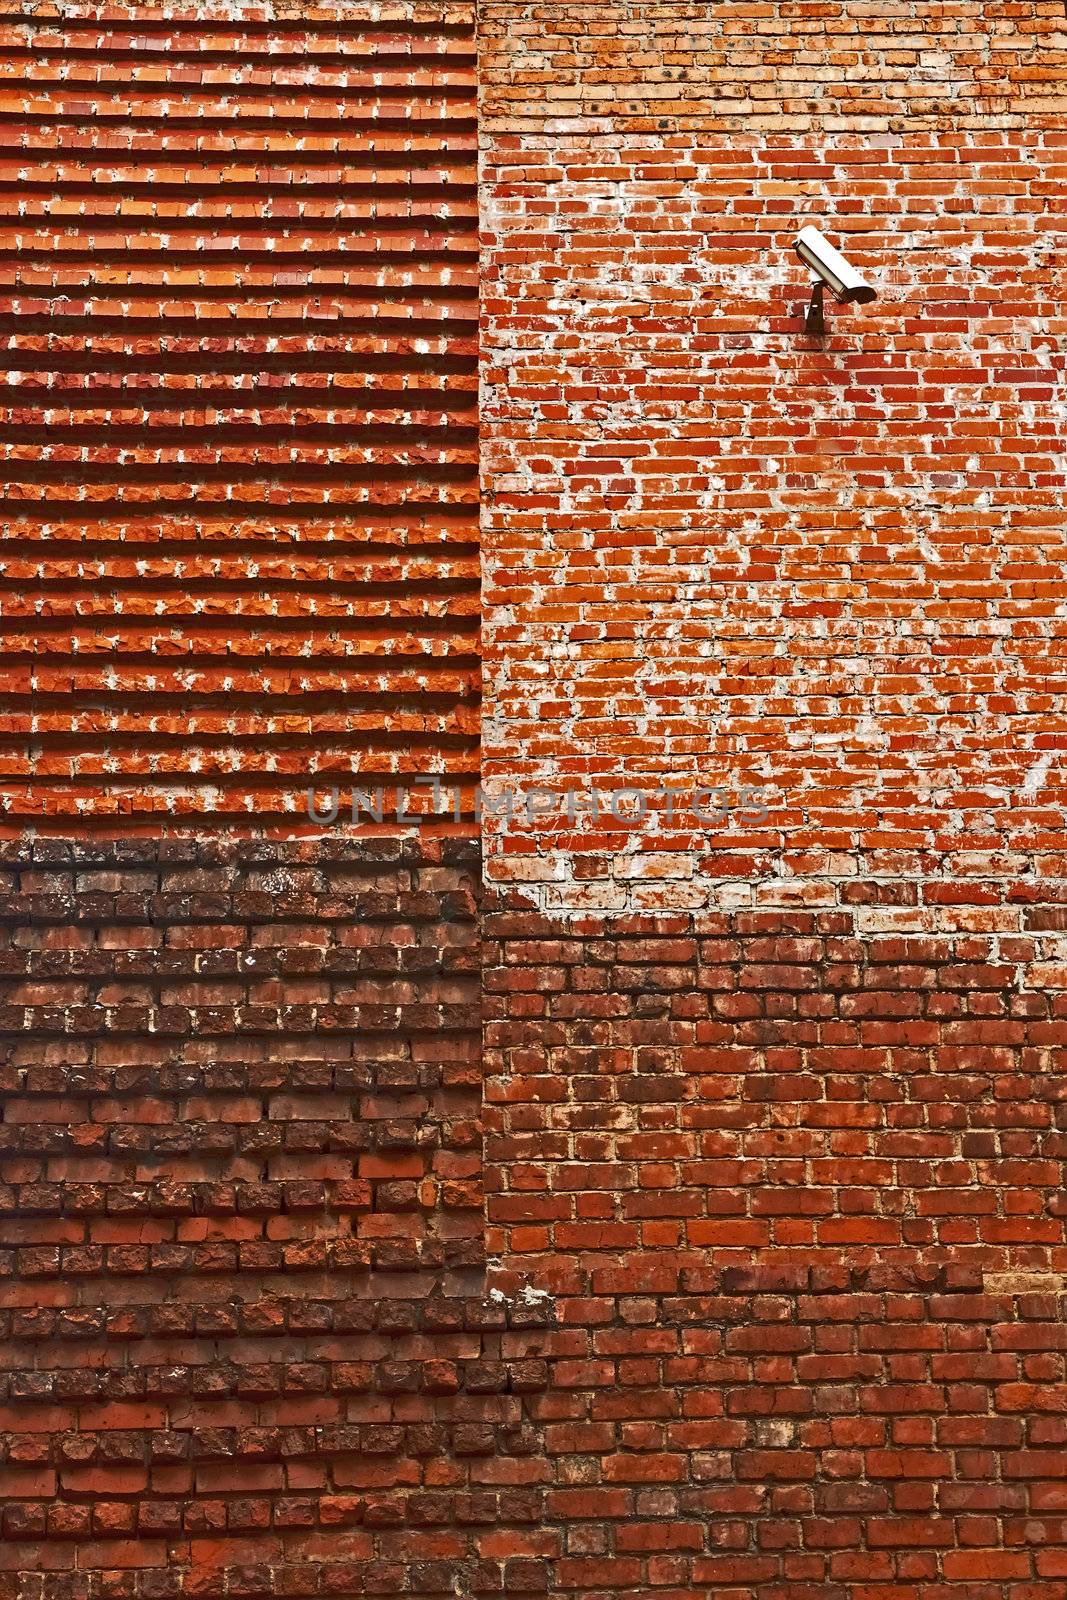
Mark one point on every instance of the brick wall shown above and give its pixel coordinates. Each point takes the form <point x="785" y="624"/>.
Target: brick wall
<point x="768" y="1082"/>
<point x="720" y="553"/>
<point x="772" y="1101"/>
<point x="795" y="1198"/>
<point x="246" y="1347"/>
<point x="767" y="1295"/>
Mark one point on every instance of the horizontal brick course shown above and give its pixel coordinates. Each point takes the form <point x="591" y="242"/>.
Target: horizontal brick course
<point x="238" y="321"/>
<point x="241" y="1295"/>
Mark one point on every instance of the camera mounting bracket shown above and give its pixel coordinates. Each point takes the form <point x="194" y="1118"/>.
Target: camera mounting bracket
<point x="814" y="322"/>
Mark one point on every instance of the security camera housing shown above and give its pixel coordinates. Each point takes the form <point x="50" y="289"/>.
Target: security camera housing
<point x="831" y="268"/>
<point x="843" y="279"/>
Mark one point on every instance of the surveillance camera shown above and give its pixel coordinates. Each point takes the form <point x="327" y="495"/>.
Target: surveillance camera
<point x="833" y="269"/>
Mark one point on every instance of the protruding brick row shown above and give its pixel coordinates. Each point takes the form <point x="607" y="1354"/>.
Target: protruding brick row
<point x="243" y="1316"/>
<point x="238" y="287"/>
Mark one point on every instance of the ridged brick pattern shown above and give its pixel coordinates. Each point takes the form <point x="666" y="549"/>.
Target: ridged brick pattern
<point x="245" y="1343"/>
<point x="238" y="328"/>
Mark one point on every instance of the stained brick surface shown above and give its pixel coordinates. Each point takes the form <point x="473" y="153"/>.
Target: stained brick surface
<point x="244" y="1330"/>
<point x="718" y="552"/>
